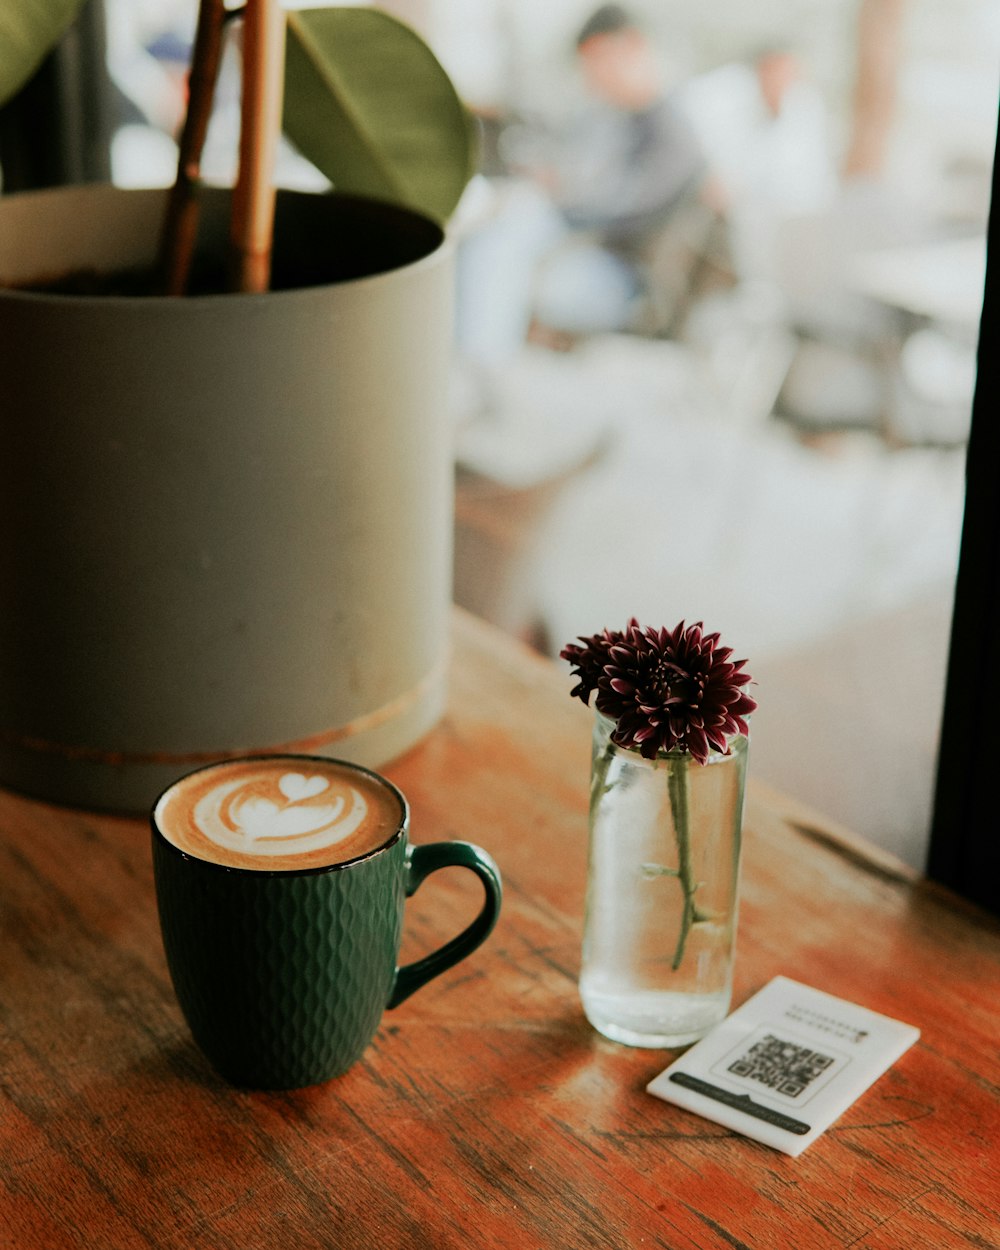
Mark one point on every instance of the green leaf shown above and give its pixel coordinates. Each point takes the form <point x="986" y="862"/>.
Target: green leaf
<point x="370" y="105"/>
<point x="29" y="30"/>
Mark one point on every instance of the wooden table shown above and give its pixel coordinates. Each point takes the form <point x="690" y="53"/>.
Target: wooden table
<point x="486" y="1113"/>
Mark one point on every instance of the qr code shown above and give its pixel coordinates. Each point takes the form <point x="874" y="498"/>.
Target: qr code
<point x="783" y="1066"/>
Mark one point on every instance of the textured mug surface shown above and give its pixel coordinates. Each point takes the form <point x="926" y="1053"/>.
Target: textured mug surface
<point x="283" y="976"/>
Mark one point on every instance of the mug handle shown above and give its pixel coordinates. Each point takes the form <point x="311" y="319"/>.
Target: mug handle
<point x="421" y="861"/>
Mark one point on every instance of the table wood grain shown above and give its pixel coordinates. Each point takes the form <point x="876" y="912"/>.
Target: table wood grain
<point x="486" y="1113"/>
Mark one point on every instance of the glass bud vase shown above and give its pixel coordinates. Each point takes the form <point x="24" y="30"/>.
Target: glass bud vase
<point x="662" y="891"/>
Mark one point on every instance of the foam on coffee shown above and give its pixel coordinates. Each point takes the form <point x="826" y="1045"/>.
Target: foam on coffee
<point x="278" y="814"/>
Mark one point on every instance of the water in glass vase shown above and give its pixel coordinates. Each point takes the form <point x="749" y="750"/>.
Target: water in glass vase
<point x="662" y="889"/>
<point x="639" y="1017"/>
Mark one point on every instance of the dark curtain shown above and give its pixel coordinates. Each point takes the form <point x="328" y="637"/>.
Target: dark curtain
<point x="965" y="834"/>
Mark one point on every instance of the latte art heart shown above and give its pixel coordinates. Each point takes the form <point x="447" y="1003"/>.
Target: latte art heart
<point x="296" y="786"/>
<point x="260" y="819"/>
<point x="283" y="820"/>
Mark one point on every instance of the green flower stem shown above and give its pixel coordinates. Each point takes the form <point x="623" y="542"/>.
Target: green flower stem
<point x="599" y="778"/>
<point x="677" y="786"/>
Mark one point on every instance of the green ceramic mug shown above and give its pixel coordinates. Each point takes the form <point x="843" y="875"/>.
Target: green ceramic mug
<point x="280" y="882"/>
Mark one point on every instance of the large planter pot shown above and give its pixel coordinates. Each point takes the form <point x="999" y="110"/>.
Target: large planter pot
<point x="225" y="520"/>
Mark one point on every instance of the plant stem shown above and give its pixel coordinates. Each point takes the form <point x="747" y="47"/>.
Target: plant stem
<point x="252" y="223"/>
<point x="599" y="778"/>
<point x="677" y="787"/>
<point x="180" y="223"/>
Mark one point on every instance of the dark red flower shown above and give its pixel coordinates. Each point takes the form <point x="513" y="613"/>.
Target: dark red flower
<point x="665" y="690"/>
<point x="589" y="660"/>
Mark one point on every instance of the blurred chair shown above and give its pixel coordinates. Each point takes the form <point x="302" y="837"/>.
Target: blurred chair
<point x="688" y="258"/>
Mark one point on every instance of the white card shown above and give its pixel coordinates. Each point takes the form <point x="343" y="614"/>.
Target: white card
<point x="783" y="1066"/>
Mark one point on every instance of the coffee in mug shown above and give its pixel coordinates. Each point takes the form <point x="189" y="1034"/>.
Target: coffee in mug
<point x="280" y="883"/>
<point x="269" y="815"/>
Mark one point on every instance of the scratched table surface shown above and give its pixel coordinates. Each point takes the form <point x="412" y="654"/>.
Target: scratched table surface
<point x="486" y="1113"/>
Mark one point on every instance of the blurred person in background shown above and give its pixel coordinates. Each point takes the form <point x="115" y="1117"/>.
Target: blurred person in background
<point x="765" y="129"/>
<point x="564" y="252"/>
